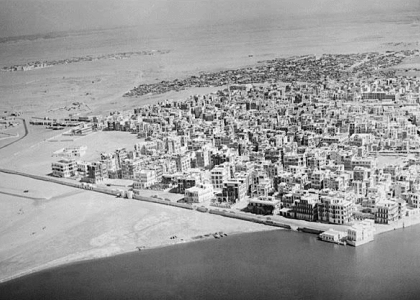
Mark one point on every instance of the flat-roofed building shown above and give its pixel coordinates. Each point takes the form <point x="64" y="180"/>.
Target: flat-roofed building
<point x="233" y="191"/>
<point x="218" y="176"/>
<point x="183" y="162"/>
<point x="96" y="171"/>
<point x="64" y="168"/>
<point x="186" y="182"/>
<point x="361" y="233"/>
<point x="387" y="212"/>
<point x="305" y="208"/>
<point x="335" y="211"/>
<point x="263" y="205"/>
<point x="145" y="179"/>
<point x="333" y="236"/>
<point x="199" y="193"/>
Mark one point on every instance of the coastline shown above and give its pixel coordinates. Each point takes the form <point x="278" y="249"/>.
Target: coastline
<point x="54" y="225"/>
<point x="143" y="232"/>
<point x="94" y="254"/>
<point x="84" y="258"/>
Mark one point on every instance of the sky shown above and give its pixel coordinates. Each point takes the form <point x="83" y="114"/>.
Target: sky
<point x="26" y="17"/>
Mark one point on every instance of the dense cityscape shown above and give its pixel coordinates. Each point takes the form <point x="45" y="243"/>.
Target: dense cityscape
<point x="319" y="151"/>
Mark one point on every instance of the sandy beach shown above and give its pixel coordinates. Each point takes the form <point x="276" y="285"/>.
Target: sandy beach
<point x="62" y="225"/>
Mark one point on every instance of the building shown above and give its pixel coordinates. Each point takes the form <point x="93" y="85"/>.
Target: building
<point x="83" y="129"/>
<point x="335" y="211"/>
<point x="361" y="233"/>
<point x="173" y="145"/>
<point x="64" y="168"/>
<point x="130" y="168"/>
<point x="333" y="236"/>
<point x="70" y="152"/>
<point x="183" y="163"/>
<point x="233" y="191"/>
<point x="96" y="172"/>
<point x="145" y="179"/>
<point x="218" y="176"/>
<point x="305" y="208"/>
<point x="199" y="193"/>
<point x="202" y="158"/>
<point x="186" y="182"/>
<point x="263" y="205"/>
<point x="387" y="212"/>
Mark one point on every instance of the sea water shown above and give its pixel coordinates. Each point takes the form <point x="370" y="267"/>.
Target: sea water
<point x="265" y="265"/>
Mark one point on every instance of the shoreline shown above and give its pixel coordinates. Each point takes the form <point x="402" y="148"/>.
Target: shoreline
<point x="61" y="262"/>
<point x="113" y="249"/>
<point x="101" y="253"/>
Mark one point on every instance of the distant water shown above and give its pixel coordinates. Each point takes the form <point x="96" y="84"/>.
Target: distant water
<point x="268" y="265"/>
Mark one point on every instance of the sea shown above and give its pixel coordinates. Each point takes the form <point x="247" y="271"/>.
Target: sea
<point x="263" y="265"/>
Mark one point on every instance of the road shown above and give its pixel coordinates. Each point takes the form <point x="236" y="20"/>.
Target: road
<point x="22" y="137"/>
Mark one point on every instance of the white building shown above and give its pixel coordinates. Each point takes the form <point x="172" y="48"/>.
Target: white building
<point x="64" y="168"/>
<point x="199" y="193"/>
<point x="333" y="236"/>
<point x="361" y="233"/>
<point x="145" y="179"/>
<point x="70" y="152"/>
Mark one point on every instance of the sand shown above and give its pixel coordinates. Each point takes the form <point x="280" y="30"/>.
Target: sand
<point x="65" y="225"/>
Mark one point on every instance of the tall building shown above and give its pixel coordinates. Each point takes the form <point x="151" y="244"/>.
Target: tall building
<point x="335" y="211"/>
<point x="233" y="191"/>
<point x="218" y="176"/>
<point x="96" y="172"/>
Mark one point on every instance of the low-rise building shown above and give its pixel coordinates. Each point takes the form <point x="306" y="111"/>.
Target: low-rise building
<point x="199" y="193"/>
<point x="64" y="168"/>
<point x="263" y="205"/>
<point x="333" y="236"/>
<point x="361" y="233"/>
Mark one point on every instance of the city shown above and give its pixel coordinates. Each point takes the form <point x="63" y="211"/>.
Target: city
<point x="333" y="151"/>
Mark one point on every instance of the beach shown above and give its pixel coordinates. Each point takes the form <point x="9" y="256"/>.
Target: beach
<point x="52" y="225"/>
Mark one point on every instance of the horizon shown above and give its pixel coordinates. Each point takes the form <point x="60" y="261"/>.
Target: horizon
<point x="37" y="17"/>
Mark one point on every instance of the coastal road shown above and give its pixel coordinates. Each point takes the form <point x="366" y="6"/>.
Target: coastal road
<point x="22" y="137"/>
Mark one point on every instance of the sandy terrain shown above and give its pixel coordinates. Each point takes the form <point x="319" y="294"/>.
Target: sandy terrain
<point x="61" y="225"/>
<point x="33" y="154"/>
